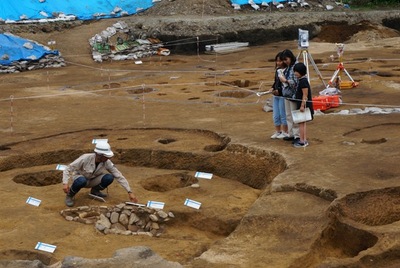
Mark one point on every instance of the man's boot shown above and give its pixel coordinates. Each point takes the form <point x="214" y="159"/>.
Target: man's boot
<point x="97" y="193"/>
<point x="69" y="199"/>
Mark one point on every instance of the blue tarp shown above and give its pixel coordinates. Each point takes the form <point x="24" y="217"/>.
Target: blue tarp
<point x="258" y="2"/>
<point x="14" y="48"/>
<point x="82" y="9"/>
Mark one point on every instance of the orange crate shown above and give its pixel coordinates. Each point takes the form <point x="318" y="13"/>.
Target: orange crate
<point x="321" y="103"/>
<point x="334" y="101"/>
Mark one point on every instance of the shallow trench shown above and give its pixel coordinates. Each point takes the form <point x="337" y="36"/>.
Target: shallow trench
<point x="338" y="240"/>
<point x="251" y="167"/>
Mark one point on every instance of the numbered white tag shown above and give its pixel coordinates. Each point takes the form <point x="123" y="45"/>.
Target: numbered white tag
<point x="155" y="204"/>
<point x="33" y="201"/>
<point x="45" y="247"/>
<point x="203" y="175"/>
<point x="192" y="203"/>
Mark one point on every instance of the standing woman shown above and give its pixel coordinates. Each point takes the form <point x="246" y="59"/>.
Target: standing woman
<point x="278" y="112"/>
<point x="303" y="100"/>
<point x="289" y="81"/>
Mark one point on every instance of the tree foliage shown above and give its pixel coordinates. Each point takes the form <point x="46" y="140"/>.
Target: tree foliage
<point x="372" y="3"/>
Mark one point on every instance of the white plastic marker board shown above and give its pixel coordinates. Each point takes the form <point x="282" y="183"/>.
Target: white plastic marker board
<point x="95" y="141"/>
<point x="45" y="247"/>
<point x="155" y="204"/>
<point x="203" y="175"/>
<point x="192" y="203"/>
<point x="33" y="201"/>
<point x="61" y="167"/>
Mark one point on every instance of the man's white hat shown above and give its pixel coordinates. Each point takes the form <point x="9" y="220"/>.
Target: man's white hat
<point x="104" y="148"/>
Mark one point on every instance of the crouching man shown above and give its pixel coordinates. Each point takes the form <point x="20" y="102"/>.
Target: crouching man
<point x="87" y="171"/>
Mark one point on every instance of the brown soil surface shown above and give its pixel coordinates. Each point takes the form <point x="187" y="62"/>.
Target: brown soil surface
<point x="332" y="204"/>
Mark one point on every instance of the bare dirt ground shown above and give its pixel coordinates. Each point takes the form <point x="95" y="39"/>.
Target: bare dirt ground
<point x="332" y="204"/>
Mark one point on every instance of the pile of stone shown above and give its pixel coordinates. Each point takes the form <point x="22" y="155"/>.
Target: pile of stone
<point x="118" y="42"/>
<point x="47" y="61"/>
<point x="125" y="219"/>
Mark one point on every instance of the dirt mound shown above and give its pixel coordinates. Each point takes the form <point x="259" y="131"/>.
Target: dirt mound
<point x="373" y="32"/>
<point x="363" y="31"/>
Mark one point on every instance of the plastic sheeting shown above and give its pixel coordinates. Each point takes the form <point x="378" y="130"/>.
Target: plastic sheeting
<point x="258" y="2"/>
<point x="14" y="48"/>
<point x="81" y="9"/>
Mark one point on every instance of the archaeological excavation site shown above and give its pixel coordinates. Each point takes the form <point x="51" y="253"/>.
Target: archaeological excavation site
<point x="190" y="129"/>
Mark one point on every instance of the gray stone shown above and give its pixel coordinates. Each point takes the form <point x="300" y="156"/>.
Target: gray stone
<point x="22" y="264"/>
<point x="127" y="212"/>
<point x="153" y="217"/>
<point x="114" y="217"/>
<point x="127" y="258"/>
<point x="120" y="206"/>
<point x="171" y="215"/>
<point x="118" y="226"/>
<point x="123" y="219"/>
<point x="148" y="226"/>
<point x="155" y="225"/>
<point x="133" y="228"/>
<point x="127" y="232"/>
<point x="133" y="218"/>
<point x="103" y="223"/>
<point x="162" y="214"/>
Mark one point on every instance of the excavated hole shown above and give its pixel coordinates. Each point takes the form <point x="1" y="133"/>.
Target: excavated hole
<point x="112" y="85"/>
<point x="377" y="141"/>
<point x="14" y="254"/>
<point x="168" y="182"/>
<point x="374" y="208"/>
<point x="42" y="178"/>
<point x="166" y="140"/>
<point x="140" y="90"/>
<point x="338" y="240"/>
<point x="240" y="94"/>
<point x="345" y="240"/>
<point x="253" y="167"/>
<point x="240" y="83"/>
<point x="4" y="148"/>
<point x="385" y="74"/>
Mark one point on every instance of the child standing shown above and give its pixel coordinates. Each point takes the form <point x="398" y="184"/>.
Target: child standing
<point x="303" y="99"/>
<point x="278" y="112"/>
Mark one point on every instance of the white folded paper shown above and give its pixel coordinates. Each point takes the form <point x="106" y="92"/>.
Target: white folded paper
<point x="300" y="117"/>
<point x="192" y="203"/>
<point x="61" y="167"/>
<point x="203" y="175"/>
<point x="155" y="204"/>
<point x="95" y="141"/>
<point x="45" y="247"/>
<point x="33" y="201"/>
